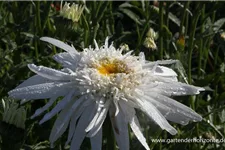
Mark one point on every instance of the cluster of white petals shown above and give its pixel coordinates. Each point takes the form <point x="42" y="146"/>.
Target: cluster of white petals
<point x="72" y="12"/>
<point x="150" y="39"/>
<point x="103" y="80"/>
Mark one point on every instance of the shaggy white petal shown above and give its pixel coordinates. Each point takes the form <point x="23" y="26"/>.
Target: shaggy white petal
<point x="156" y="116"/>
<point x="98" y="124"/>
<point x="93" y="121"/>
<point x="80" y="133"/>
<point x="60" y="44"/>
<point x="120" y="128"/>
<point x="169" y="113"/>
<point x="63" y="119"/>
<point x="134" y="123"/>
<point x="96" y="45"/>
<point x="61" y="105"/>
<point x="174" y="106"/>
<point x="96" y="141"/>
<point x="36" y="79"/>
<point x="174" y="89"/>
<point x="66" y="60"/>
<point x="135" y="126"/>
<point x="44" y="108"/>
<point x="142" y="58"/>
<point x="173" y="115"/>
<point x="164" y="71"/>
<point x="41" y="91"/>
<point x="72" y="128"/>
<point x="50" y="73"/>
<point x="60" y="124"/>
<point x="73" y="121"/>
<point x="99" y="104"/>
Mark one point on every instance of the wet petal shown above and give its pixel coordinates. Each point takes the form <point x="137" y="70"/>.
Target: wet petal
<point x="98" y="124"/>
<point x="155" y="115"/>
<point x="41" y="91"/>
<point x="60" y="44"/>
<point x="120" y="128"/>
<point x="134" y="123"/>
<point x="80" y="133"/>
<point x="36" y="79"/>
<point x="50" y="73"/>
<point x="172" y="109"/>
<point x="61" y="105"/>
<point x="66" y="60"/>
<point x="60" y="125"/>
<point x="44" y="108"/>
<point x="96" y="141"/>
<point x="176" y="89"/>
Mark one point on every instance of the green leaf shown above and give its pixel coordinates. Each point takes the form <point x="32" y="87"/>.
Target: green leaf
<point x="218" y="24"/>
<point x="173" y="18"/>
<point x="132" y="15"/>
<point x="213" y="127"/>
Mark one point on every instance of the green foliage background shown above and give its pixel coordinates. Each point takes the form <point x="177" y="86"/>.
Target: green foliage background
<point x="188" y="31"/>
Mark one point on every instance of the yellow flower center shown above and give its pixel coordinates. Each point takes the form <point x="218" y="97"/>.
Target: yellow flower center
<point x="108" y="67"/>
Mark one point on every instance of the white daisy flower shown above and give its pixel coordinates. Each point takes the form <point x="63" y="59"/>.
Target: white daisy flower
<point x="104" y="80"/>
<point x="72" y="12"/>
<point x="150" y="39"/>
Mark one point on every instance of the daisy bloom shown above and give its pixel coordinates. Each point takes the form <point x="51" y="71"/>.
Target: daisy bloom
<point x="72" y="12"/>
<point x="103" y="80"/>
<point x="150" y="39"/>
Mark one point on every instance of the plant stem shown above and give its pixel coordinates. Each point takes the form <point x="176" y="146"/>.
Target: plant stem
<point x="190" y="49"/>
<point x="201" y="43"/>
<point x="183" y="17"/>
<point x="161" y="29"/>
<point x="191" y="43"/>
<point x="46" y="18"/>
<point x="206" y="54"/>
<point x="38" y="17"/>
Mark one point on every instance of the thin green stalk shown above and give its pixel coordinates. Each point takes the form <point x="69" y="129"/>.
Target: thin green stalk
<point x="87" y="29"/>
<point x="95" y="31"/>
<point x="141" y="36"/>
<point x="167" y="20"/>
<point x="112" y="22"/>
<point x="38" y="17"/>
<point x="208" y="43"/>
<point x="167" y="24"/>
<point x="103" y="8"/>
<point x="97" y="11"/>
<point x="183" y="17"/>
<point x="35" y="41"/>
<point x="50" y="27"/>
<point x="161" y="29"/>
<point x="201" y="42"/>
<point x="191" y="44"/>
<point x="36" y="49"/>
<point x="46" y="17"/>
<point x="190" y="50"/>
<point x="216" y="55"/>
<point x="93" y="7"/>
<point x="1" y="5"/>
<point x="146" y="25"/>
<point x="186" y="24"/>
